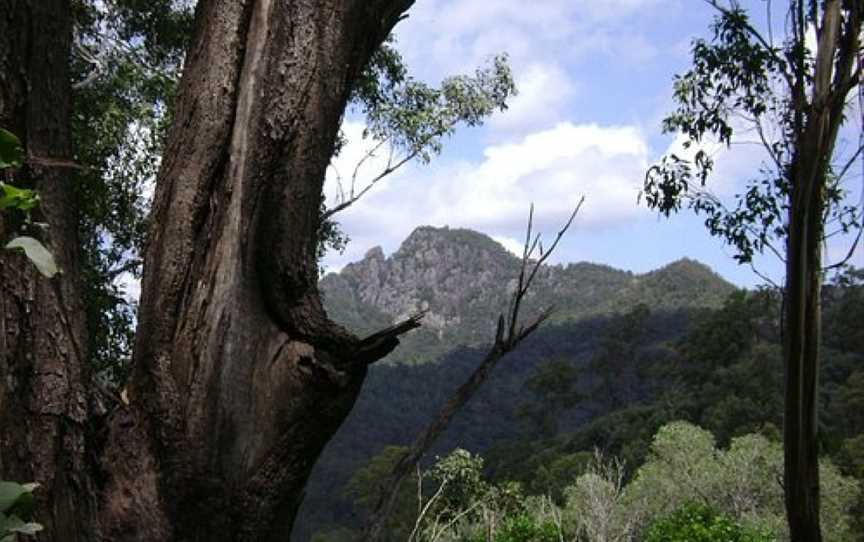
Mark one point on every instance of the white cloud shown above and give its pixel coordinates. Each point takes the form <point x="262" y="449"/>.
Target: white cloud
<point x="552" y="168"/>
<point x="453" y="36"/>
<point x="512" y="245"/>
<point x="358" y="162"/>
<point x="545" y="92"/>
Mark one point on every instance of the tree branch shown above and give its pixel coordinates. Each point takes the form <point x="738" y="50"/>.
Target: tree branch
<point x="390" y="168"/>
<point x="505" y="342"/>
<point x="757" y="35"/>
<point x="381" y="343"/>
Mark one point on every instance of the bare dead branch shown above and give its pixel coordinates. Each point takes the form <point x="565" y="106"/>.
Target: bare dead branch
<point x="849" y="254"/>
<point x="354" y="197"/>
<point x="381" y="343"/>
<point x="508" y="335"/>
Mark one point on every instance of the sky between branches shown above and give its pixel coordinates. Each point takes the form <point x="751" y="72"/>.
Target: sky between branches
<point x="595" y="80"/>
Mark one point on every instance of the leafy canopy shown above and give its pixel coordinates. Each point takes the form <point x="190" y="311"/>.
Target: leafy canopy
<point x="740" y="83"/>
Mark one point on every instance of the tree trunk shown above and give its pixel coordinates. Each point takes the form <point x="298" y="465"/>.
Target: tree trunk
<point x="44" y="399"/>
<point x="801" y="352"/>
<point x="816" y="134"/>
<point x="239" y="377"/>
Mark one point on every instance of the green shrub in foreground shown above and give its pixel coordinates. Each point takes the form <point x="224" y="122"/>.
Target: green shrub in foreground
<point x="700" y="523"/>
<point x="521" y="528"/>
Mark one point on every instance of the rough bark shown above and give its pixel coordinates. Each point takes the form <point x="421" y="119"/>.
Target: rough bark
<point x="239" y="377"/>
<point x="44" y="401"/>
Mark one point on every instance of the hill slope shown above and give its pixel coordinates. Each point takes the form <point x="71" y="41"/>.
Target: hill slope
<point x="463" y="279"/>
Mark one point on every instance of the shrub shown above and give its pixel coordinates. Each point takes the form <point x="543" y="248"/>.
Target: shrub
<point x="700" y="523"/>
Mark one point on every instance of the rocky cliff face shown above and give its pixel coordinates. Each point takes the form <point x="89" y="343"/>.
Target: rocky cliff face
<point x="464" y="278"/>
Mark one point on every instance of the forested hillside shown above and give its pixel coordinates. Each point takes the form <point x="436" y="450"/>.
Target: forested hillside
<point x="632" y="353"/>
<point x="464" y="279"/>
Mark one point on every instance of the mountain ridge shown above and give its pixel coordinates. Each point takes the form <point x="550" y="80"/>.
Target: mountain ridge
<point x="463" y="279"/>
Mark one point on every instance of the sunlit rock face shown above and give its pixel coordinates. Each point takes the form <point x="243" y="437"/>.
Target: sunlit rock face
<point x="463" y="279"/>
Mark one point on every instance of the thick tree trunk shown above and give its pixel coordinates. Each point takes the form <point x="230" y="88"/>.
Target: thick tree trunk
<point x="44" y="401"/>
<point x="239" y="377"/>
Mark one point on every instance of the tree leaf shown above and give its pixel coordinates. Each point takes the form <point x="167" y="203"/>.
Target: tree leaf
<point x="37" y="253"/>
<point x="10" y="492"/>
<point x="13" y="197"/>
<point x="11" y="151"/>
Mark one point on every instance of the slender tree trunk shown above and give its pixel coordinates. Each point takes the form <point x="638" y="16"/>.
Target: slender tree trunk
<point x="44" y="400"/>
<point x="817" y="125"/>
<point x="801" y="352"/>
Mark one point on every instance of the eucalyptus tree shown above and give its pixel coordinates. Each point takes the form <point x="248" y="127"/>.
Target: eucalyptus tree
<point x="238" y="377"/>
<point x="793" y="95"/>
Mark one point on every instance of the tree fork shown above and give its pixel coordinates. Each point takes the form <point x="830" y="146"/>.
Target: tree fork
<point x="239" y="377"/>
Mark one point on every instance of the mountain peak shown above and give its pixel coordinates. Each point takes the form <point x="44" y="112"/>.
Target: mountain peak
<point x="374" y="253"/>
<point x="687" y="267"/>
<point x="427" y="237"/>
<point x="463" y="279"/>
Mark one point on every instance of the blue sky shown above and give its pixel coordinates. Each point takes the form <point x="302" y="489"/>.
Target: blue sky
<point x="595" y="79"/>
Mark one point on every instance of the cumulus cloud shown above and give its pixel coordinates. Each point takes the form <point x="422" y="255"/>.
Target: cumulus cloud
<point x="545" y="91"/>
<point x="552" y="168"/>
<point x="468" y="32"/>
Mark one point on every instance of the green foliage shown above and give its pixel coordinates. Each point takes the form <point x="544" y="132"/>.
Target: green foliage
<point x="689" y="489"/>
<point x="617" y="358"/>
<point x="843" y="311"/>
<point x="11" y="150"/>
<point x="738" y="76"/>
<point x="16" y="505"/>
<point x="700" y="523"/>
<point x="719" y="368"/>
<point x="365" y="489"/>
<point x="524" y="528"/>
<point x="21" y="201"/>
<point x="596" y="507"/>
<point x="553" y="390"/>
<point x="126" y="66"/>
<point x="414" y="117"/>
<point x="740" y="482"/>
<point x="461" y="475"/>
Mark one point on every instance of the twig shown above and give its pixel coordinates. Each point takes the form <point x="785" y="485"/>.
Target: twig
<point x="508" y="335"/>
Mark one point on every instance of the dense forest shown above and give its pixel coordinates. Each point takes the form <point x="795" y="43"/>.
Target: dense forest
<point x="608" y="380"/>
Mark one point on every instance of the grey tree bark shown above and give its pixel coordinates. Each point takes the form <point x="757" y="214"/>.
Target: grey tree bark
<point x="817" y="122"/>
<point x="239" y="377"/>
<point x="44" y="394"/>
